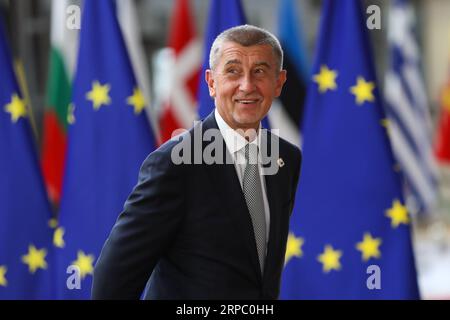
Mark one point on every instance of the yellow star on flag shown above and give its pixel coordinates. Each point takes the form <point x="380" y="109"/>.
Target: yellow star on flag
<point x="363" y="91"/>
<point x="99" y="95"/>
<point x="386" y="123"/>
<point x="16" y="108"/>
<point x="326" y="79"/>
<point x="293" y="248"/>
<point x="58" y="237"/>
<point x="85" y="263"/>
<point x="398" y="214"/>
<point x="53" y="223"/>
<point x="137" y="100"/>
<point x="35" y="258"/>
<point x="71" y="114"/>
<point x="3" y="281"/>
<point x="330" y="259"/>
<point x="369" y="247"/>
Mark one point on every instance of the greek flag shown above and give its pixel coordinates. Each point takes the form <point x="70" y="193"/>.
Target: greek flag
<point x="407" y="107"/>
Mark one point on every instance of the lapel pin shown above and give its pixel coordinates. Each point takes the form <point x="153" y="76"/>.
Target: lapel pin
<point x="280" y="162"/>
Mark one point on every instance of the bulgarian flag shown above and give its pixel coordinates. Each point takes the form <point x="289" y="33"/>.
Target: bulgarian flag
<point x="64" y="42"/>
<point x="443" y="135"/>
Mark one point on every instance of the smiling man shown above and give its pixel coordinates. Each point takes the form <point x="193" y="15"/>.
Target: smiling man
<point x="211" y="231"/>
<point x="244" y="79"/>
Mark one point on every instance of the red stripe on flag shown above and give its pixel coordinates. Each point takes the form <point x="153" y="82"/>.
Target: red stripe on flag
<point x="53" y="155"/>
<point x="443" y="134"/>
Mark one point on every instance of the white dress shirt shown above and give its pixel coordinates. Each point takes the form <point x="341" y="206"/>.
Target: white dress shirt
<point x="236" y="147"/>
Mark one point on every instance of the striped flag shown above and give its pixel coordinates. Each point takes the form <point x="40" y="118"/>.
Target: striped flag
<point x="180" y="108"/>
<point x="286" y="113"/>
<point x="64" y="42"/>
<point x="408" y="111"/>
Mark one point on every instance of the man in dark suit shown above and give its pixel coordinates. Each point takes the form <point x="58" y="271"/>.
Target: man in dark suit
<point x="210" y="220"/>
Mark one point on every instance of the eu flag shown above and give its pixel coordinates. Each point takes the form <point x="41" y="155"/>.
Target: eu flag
<point x="26" y="255"/>
<point x="350" y="231"/>
<point x="223" y="14"/>
<point x="108" y="138"/>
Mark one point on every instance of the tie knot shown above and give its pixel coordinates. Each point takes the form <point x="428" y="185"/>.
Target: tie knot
<point x="251" y="153"/>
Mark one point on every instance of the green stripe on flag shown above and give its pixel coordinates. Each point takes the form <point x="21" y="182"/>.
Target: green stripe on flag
<point x="59" y="88"/>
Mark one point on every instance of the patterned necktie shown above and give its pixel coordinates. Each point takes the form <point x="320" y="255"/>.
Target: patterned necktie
<point x="254" y="198"/>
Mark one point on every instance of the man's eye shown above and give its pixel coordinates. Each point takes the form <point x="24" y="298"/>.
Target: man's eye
<point x="259" y="71"/>
<point x="232" y="71"/>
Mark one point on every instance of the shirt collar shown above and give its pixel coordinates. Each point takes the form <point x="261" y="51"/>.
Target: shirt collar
<point x="233" y="139"/>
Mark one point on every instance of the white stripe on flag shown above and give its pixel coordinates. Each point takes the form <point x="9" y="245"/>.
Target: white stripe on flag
<point x="412" y="168"/>
<point x="395" y="96"/>
<point x="182" y="102"/>
<point x="417" y="89"/>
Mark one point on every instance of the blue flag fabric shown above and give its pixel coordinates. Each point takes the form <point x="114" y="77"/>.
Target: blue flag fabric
<point x="223" y="14"/>
<point x="350" y="231"/>
<point x="26" y="255"/>
<point x="108" y="139"/>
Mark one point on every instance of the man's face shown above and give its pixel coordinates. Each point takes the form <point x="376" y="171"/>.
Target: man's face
<point x="244" y="83"/>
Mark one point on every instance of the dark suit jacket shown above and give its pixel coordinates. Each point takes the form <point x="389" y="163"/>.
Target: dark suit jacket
<point x="188" y="227"/>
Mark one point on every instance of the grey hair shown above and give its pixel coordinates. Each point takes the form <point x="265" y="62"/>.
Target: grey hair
<point x="245" y="35"/>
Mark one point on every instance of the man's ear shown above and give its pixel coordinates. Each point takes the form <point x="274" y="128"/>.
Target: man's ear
<point x="282" y="76"/>
<point x="210" y="81"/>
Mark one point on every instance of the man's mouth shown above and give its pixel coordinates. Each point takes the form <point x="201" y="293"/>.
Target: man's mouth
<point x="247" y="101"/>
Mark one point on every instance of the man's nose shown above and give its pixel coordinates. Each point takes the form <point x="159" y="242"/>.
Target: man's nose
<point x="247" y="83"/>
